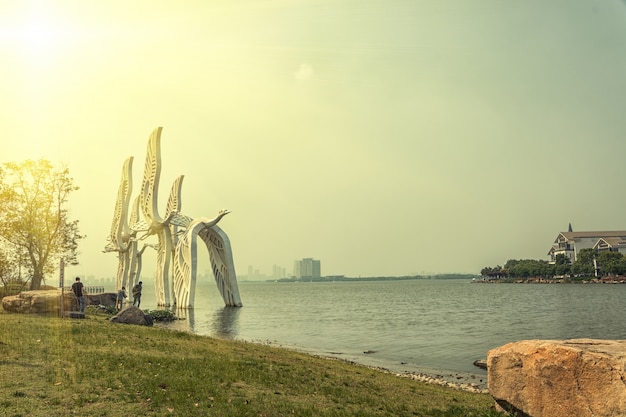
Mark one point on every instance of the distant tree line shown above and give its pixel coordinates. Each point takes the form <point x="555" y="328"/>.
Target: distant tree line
<point x="607" y="263"/>
<point x="335" y="278"/>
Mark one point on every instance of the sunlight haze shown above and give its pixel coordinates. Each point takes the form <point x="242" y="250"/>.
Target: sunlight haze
<point x="383" y="138"/>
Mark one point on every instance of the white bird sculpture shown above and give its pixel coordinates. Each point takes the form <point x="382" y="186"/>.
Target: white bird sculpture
<point x="121" y="237"/>
<point x="220" y="254"/>
<point x="126" y="233"/>
<point x="158" y="225"/>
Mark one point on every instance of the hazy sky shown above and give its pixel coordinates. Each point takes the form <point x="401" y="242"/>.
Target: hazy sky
<point x="382" y="137"/>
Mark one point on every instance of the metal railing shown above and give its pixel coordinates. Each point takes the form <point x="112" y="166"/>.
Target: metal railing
<point x="88" y="290"/>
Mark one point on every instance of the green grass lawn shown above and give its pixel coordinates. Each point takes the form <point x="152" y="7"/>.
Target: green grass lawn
<point x="91" y="367"/>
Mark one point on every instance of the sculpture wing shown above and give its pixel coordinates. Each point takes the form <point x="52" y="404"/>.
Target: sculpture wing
<point x="120" y="232"/>
<point x="174" y="202"/>
<point x="134" y="213"/>
<point x="180" y="220"/>
<point x="184" y="270"/>
<point x="221" y="256"/>
<point x="137" y="224"/>
<point x="151" y="175"/>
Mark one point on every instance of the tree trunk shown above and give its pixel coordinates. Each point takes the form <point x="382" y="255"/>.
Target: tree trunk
<point x="35" y="282"/>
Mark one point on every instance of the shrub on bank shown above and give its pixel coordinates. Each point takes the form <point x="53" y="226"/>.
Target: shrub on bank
<point x="161" y="315"/>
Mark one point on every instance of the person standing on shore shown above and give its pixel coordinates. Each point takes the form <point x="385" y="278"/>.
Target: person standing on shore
<point x="137" y="294"/>
<point x="121" y="295"/>
<point x="79" y="292"/>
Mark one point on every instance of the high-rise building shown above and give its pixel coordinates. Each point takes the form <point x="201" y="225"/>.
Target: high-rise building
<point x="278" y="271"/>
<point x="307" y="268"/>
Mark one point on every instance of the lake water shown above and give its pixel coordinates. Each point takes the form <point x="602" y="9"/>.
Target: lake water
<point x="437" y="327"/>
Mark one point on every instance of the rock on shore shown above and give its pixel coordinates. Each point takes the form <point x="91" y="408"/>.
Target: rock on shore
<point x="49" y="301"/>
<point x="560" y="378"/>
<point x="132" y="315"/>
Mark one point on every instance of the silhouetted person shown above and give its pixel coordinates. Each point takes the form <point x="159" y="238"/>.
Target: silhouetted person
<point x="137" y="294"/>
<point x="79" y="292"/>
<point x="121" y="295"/>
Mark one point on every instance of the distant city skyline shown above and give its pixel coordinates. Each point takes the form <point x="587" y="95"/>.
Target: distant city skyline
<point x="259" y="274"/>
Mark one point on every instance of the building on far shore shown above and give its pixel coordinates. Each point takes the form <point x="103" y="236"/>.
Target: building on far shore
<point x="570" y="243"/>
<point x="307" y="268"/>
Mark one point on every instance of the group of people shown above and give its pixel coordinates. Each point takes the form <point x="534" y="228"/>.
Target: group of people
<point x="79" y="291"/>
<point x="121" y="295"/>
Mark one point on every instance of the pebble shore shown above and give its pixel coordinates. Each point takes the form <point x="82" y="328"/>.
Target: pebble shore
<point x="479" y="388"/>
<point x="469" y="383"/>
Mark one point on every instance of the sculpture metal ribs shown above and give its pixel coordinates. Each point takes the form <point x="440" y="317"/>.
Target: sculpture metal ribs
<point x="125" y="235"/>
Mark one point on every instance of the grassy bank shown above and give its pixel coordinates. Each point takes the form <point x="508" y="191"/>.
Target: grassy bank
<point x="91" y="367"/>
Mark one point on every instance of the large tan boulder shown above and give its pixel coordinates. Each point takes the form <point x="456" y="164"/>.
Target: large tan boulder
<point x="48" y="301"/>
<point x="38" y="301"/>
<point x="559" y="378"/>
<point x="132" y="315"/>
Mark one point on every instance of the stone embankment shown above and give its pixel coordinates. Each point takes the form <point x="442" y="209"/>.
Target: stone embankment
<point x="533" y="280"/>
<point x="559" y="378"/>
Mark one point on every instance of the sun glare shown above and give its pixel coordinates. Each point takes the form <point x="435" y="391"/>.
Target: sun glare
<point x="37" y="34"/>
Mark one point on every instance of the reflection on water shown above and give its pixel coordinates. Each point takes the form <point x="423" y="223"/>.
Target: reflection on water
<point x="225" y="322"/>
<point x="185" y="322"/>
<point x="208" y="317"/>
<point x="222" y="322"/>
<point x="187" y="315"/>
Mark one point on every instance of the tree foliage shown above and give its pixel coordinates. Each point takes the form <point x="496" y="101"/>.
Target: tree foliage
<point x="587" y="260"/>
<point x="526" y="268"/>
<point x="584" y="264"/>
<point x="612" y="263"/>
<point x="35" y="226"/>
<point x="493" y="272"/>
<point x="6" y="265"/>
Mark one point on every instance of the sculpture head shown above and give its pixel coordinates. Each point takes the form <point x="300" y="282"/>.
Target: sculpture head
<point x="220" y="214"/>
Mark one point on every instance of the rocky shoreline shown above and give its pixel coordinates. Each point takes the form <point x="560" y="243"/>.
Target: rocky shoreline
<point x="465" y="382"/>
<point x="444" y="380"/>
<point x="457" y="380"/>
<point x="536" y="280"/>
